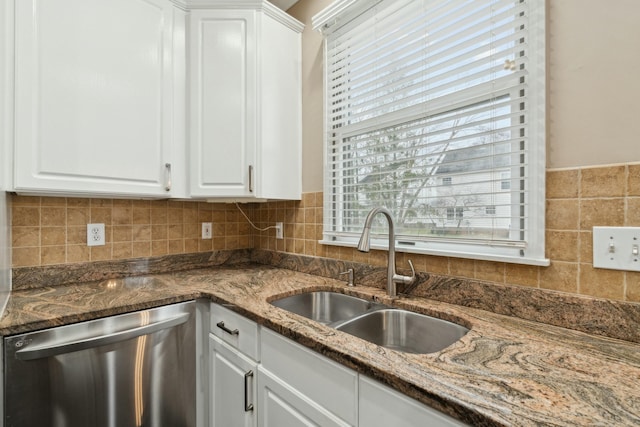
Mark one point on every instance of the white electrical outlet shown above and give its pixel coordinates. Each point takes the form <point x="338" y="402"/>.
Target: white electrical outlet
<point x="616" y="248"/>
<point x="279" y="231"/>
<point x="95" y="235"/>
<point x="206" y="230"/>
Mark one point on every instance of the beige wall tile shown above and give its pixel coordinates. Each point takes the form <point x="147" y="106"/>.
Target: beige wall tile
<point x="524" y="275"/>
<point x="633" y="183"/>
<point x="141" y="232"/>
<point x="436" y="264"/>
<point x="122" y="250"/>
<point x="560" y="276"/>
<point x="159" y="232"/>
<point x="603" y="182"/>
<point x="53" y="255"/>
<point x="25" y="236"/>
<point x="586" y="247"/>
<point x="25" y="201"/>
<point x="24" y="257"/>
<point x="122" y="233"/>
<point x="562" y="184"/>
<point x="141" y="215"/>
<point x="122" y="215"/>
<point x="562" y="245"/>
<point x="101" y="215"/>
<point x="25" y="216"/>
<point x="77" y="216"/>
<point x="141" y="249"/>
<point x="101" y="253"/>
<point x="562" y="214"/>
<point x="632" y="216"/>
<point x="159" y="247"/>
<point x="598" y="212"/>
<point x="53" y="216"/>
<point x="633" y="287"/>
<point x="78" y="253"/>
<point x="490" y="271"/>
<point x="53" y="236"/>
<point x="462" y="267"/>
<point x="76" y="235"/>
<point x="601" y="283"/>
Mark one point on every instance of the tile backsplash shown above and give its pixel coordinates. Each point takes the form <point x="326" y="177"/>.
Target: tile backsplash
<point x="51" y="230"/>
<point x="47" y="230"/>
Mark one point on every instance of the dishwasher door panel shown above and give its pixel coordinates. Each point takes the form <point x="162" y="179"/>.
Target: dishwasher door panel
<point x="146" y="380"/>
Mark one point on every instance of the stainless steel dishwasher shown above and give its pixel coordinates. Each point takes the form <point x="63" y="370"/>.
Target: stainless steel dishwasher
<point x="135" y="369"/>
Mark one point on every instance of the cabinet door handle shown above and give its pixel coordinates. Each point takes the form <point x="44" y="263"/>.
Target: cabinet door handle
<point x="250" y="179"/>
<point x="167" y="171"/>
<point x="227" y="330"/>
<point x="247" y="406"/>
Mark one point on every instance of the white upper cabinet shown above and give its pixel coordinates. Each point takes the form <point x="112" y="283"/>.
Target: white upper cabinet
<point x="98" y="88"/>
<point x="245" y="101"/>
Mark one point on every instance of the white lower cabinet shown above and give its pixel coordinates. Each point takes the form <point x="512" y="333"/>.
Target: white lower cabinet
<point x="232" y="386"/>
<point x="381" y="406"/>
<point x="258" y="378"/>
<point x="233" y="362"/>
<point x="323" y="385"/>
<point x="281" y="405"/>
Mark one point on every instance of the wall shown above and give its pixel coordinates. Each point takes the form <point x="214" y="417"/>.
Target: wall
<point x="593" y="82"/>
<point x="51" y="230"/>
<point x="582" y="134"/>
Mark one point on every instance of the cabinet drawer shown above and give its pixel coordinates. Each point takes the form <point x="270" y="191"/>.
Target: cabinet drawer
<point x="235" y="330"/>
<point x="323" y="381"/>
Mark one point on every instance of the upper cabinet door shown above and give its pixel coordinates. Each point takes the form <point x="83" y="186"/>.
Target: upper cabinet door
<point x="245" y="102"/>
<point x="94" y="96"/>
<point x="222" y="70"/>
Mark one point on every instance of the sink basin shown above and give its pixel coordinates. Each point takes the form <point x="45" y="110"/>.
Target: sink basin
<point x="404" y="330"/>
<point x="325" y="307"/>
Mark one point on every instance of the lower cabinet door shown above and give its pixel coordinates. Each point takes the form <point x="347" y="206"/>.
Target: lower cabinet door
<point x="380" y="406"/>
<point x="283" y="406"/>
<point x="232" y="386"/>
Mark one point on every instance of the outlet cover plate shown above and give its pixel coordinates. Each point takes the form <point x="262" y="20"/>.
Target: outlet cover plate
<point x="95" y="235"/>
<point x="616" y="248"/>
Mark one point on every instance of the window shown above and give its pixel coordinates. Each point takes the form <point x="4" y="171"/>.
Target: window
<point x="505" y="184"/>
<point x="456" y="213"/>
<point x="429" y="105"/>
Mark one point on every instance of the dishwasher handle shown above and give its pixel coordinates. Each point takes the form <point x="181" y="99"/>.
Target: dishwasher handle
<point x="49" y="349"/>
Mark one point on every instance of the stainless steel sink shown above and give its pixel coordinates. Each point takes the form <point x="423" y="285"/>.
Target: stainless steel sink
<point x="404" y="330"/>
<point x="326" y="307"/>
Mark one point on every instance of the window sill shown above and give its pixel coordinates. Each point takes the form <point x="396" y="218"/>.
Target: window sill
<point x="444" y="252"/>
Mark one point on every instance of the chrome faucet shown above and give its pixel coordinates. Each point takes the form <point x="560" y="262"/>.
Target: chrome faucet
<point x="365" y="243"/>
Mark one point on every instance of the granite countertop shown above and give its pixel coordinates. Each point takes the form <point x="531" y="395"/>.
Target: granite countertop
<point x="505" y="371"/>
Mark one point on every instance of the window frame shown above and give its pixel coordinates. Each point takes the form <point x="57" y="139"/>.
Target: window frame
<point x="343" y="11"/>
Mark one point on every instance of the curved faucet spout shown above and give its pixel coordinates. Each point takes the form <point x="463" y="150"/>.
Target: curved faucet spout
<point x="364" y="245"/>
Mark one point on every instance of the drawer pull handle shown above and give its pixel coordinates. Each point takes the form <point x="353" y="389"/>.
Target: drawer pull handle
<point x="247" y="406"/>
<point x="227" y="330"/>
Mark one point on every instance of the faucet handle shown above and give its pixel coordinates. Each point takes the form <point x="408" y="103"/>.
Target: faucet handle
<point x="350" y="273"/>
<point x="413" y="273"/>
<point x="407" y="280"/>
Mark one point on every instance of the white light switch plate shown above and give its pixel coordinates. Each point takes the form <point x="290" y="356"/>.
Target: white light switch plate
<point x="616" y="248"/>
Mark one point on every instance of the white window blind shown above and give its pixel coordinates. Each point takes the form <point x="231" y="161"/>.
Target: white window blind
<point x="435" y="110"/>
